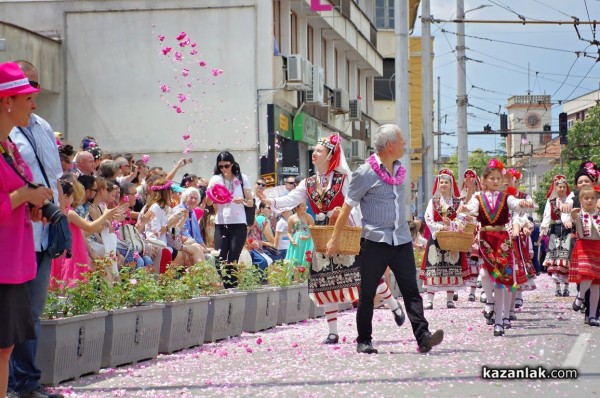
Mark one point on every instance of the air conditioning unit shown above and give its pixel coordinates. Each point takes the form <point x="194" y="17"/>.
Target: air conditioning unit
<point x="314" y="95"/>
<point x="308" y="66"/>
<point x="296" y="72"/>
<point x="355" y="112"/>
<point x="359" y="149"/>
<point x="340" y="101"/>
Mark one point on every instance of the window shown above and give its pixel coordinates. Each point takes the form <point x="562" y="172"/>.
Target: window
<point x="277" y="22"/>
<point x="294" y="32"/>
<point x="324" y="56"/>
<point x="385" y="86"/>
<point x="384" y="14"/>
<point x="310" y="44"/>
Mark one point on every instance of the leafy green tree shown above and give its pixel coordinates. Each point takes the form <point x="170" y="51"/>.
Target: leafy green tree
<point x="583" y="144"/>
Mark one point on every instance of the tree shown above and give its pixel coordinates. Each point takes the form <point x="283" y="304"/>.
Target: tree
<point x="477" y="161"/>
<point x="584" y="144"/>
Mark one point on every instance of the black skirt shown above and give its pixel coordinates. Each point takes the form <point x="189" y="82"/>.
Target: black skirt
<point x="15" y="315"/>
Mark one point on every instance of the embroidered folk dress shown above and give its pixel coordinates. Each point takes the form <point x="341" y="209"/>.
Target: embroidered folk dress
<point x="442" y="269"/>
<point x="498" y="256"/>
<point x="585" y="261"/>
<point x="335" y="279"/>
<point x="559" y="239"/>
<point x="522" y="245"/>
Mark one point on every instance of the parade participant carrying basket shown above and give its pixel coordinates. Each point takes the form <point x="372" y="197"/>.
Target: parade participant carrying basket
<point x="333" y="280"/>
<point x="445" y="262"/>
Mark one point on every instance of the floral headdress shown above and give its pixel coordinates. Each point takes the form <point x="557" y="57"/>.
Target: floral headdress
<point x="516" y="174"/>
<point x="333" y="143"/>
<point x="587" y="169"/>
<point x="469" y="173"/>
<point x="496" y="164"/>
<point x="446" y="173"/>
<point x="164" y="187"/>
<point x="557" y="180"/>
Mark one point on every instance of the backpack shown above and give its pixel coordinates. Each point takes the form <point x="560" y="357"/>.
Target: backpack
<point x="131" y="235"/>
<point x="59" y="238"/>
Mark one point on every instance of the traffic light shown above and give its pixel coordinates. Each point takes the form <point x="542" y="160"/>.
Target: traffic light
<point x="547" y="127"/>
<point x="487" y="128"/>
<point x="503" y="125"/>
<point x="563" y="128"/>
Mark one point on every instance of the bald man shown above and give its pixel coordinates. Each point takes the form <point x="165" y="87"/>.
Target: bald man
<point x="85" y="164"/>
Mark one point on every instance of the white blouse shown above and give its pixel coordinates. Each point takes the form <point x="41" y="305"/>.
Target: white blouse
<point x="231" y="213"/>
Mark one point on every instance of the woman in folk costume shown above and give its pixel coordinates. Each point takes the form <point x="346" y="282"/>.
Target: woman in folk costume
<point x="492" y="208"/>
<point x="522" y="229"/>
<point x="558" y="225"/>
<point x="470" y="186"/>
<point x="443" y="270"/>
<point x="333" y="280"/>
<point x="585" y="261"/>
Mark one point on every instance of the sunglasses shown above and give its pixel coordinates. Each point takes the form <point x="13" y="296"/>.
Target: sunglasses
<point x="291" y="182"/>
<point x="261" y="184"/>
<point x="224" y="166"/>
<point x="34" y="84"/>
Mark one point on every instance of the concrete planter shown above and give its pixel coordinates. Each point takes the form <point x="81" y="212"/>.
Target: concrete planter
<point x="132" y="334"/>
<point x="294" y="304"/>
<point x="225" y="316"/>
<point x="261" y="310"/>
<point x="70" y="347"/>
<point x="314" y="311"/>
<point x="183" y="324"/>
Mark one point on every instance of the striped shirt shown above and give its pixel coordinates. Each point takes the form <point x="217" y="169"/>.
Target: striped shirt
<point x="382" y="205"/>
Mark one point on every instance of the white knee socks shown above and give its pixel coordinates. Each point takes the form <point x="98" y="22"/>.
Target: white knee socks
<point x="386" y="295"/>
<point x="331" y="316"/>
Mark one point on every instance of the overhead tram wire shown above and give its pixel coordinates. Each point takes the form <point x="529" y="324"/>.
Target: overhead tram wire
<point x="592" y="67"/>
<point x="557" y="10"/>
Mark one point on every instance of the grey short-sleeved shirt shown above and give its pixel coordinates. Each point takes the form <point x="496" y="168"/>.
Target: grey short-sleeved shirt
<point x="382" y="205"/>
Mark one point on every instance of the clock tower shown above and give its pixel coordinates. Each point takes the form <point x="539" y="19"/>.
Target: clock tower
<point x="527" y="113"/>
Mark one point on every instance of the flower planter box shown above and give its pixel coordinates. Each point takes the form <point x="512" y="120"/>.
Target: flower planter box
<point x="225" y="316"/>
<point x="70" y="347"/>
<point x="294" y="304"/>
<point x="261" y="309"/>
<point x="183" y="324"/>
<point x="132" y="334"/>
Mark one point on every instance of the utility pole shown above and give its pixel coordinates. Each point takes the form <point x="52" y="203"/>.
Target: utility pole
<point x="426" y="105"/>
<point x="461" y="90"/>
<point x="401" y="31"/>
<point x="439" y="127"/>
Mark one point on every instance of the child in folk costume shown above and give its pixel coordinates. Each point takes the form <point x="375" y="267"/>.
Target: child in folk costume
<point x="522" y="229"/>
<point x="443" y="270"/>
<point x="557" y="225"/>
<point x="585" y="262"/>
<point x="333" y="280"/>
<point x="492" y="208"/>
<point x="470" y="185"/>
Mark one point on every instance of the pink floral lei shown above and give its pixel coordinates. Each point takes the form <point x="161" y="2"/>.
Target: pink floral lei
<point x="397" y="180"/>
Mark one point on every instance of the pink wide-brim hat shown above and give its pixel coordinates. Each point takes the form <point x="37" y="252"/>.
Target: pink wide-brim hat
<point x="219" y="194"/>
<point x="13" y="81"/>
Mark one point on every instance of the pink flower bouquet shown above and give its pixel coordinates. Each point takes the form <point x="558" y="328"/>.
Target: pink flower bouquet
<point x="219" y="194"/>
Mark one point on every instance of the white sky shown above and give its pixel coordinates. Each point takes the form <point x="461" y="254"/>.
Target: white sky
<point x="503" y="71"/>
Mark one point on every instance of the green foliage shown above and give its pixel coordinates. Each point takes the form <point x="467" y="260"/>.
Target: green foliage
<point x="285" y="273"/>
<point x="584" y="139"/>
<point x="136" y="286"/>
<point x="249" y="276"/>
<point x="173" y="286"/>
<point x="204" y="277"/>
<point x="477" y="160"/>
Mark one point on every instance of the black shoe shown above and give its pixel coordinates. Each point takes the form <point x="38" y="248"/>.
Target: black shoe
<point x="41" y="392"/>
<point x="455" y="297"/>
<point x="472" y="297"/>
<point x="489" y="322"/>
<point x="331" y="339"/>
<point x="512" y="316"/>
<point x="577" y="307"/>
<point x="558" y="293"/>
<point x="518" y="303"/>
<point x="565" y="293"/>
<point x="593" y="322"/>
<point x="482" y="298"/>
<point x="399" y="316"/>
<point x="430" y="340"/>
<point x="366" y="348"/>
<point x="506" y="323"/>
<point x="450" y="304"/>
<point x="498" y="330"/>
<point x="488" y="315"/>
<point x="586" y="320"/>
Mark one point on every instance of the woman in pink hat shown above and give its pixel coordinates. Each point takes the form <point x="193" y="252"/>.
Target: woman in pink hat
<point x="20" y="202"/>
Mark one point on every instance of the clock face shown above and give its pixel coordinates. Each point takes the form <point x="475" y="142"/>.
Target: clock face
<point x="532" y="119"/>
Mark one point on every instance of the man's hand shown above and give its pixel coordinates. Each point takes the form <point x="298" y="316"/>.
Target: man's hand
<point x="333" y="247"/>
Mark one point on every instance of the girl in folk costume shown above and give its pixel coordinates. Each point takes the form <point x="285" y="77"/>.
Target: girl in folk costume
<point x="522" y="229"/>
<point x="333" y="280"/>
<point x="470" y="185"/>
<point x="558" y="225"/>
<point x="585" y="262"/>
<point x="492" y="208"/>
<point x="443" y="270"/>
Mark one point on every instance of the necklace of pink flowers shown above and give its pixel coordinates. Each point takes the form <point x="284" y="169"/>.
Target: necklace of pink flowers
<point x="397" y="180"/>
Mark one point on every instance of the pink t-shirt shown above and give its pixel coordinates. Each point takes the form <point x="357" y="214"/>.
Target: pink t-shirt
<point x="18" y="263"/>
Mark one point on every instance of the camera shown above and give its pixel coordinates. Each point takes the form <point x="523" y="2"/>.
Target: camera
<point x="51" y="212"/>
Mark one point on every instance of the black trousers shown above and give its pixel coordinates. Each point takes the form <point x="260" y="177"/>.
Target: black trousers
<point x="373" y="259"/>
<point x="230" y="240"/>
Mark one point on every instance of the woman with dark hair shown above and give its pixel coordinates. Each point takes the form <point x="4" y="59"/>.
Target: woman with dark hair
<point x="230" y="222"/>
<point x="189" y="180"/>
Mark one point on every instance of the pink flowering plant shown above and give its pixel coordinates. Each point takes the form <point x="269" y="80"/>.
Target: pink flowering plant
<point x="285" y="273"/>
<point x="136" y="286"/>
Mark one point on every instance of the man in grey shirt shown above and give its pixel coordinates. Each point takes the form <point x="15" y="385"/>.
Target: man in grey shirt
<point x="386" y="239"/>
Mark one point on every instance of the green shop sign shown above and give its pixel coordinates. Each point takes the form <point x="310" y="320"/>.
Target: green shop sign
<point x="306" y="129"/>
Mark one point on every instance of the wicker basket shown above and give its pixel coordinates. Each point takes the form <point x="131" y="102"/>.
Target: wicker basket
<point x="457" y="241"/>
<point x="349" y="238"/>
